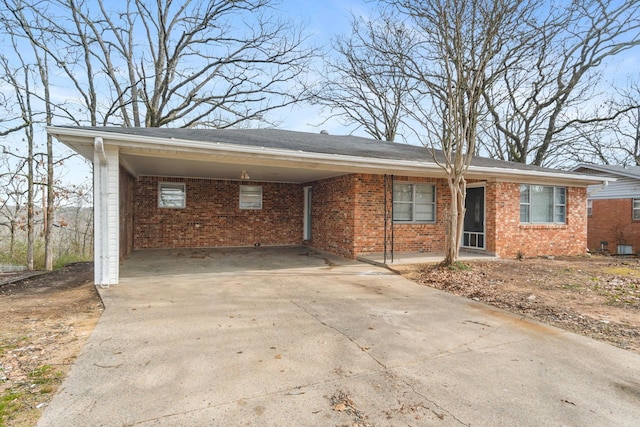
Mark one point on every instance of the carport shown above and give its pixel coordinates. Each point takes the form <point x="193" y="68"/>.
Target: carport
<point x="346" y="195"/>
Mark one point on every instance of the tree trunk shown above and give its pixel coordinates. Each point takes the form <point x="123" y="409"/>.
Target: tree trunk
<point x="48" y="236"/>
<point x="455" y="220"/>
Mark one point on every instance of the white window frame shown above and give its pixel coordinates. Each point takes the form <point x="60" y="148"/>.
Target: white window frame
<point x="635" y="209"/>
<point x="590" y="207"/>
<point x="181" y="187"/>
<point x="250" y="197"/>
<point x="527" y="205"/>
<point x="414" y="186"/>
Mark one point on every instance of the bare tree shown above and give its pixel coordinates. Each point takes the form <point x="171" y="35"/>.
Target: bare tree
<point x="619" y="142"/>
<point x="458" y="59"/>
<point x="211" y="63"/>
<point x="19" y="80"/>
<point x="366" y="84"/>
<point x="543" y="108"/>
<point x="12" y="199"/>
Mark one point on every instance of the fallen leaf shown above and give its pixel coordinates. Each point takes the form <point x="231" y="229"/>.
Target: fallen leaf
<point x="340" y="407"/>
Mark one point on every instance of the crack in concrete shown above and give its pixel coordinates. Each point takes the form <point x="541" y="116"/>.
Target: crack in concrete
<point x="289" y="391"/>
<point x="406" y="383"/>
<point x="388" y="370"/>
<point x="326" y="325"/>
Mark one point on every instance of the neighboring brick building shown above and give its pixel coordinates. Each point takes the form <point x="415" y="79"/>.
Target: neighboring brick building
<point x="175" y="188"/>
<point x="613" y="221"/>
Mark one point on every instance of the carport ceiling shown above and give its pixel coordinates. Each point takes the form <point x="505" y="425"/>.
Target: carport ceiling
<point x="191" y="168"/>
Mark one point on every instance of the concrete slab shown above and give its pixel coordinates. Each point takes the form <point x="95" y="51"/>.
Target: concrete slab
<point x="400" y="258"/>
<point x="259" y="345"/>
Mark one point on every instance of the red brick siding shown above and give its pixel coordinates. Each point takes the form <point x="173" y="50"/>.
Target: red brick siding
<point x="212" y="216"/>
<point x="425" y="237"/>
<point x="612" y="222"/>
<point x="348" y="217"/>
<point x="510" y="237"/>
<point x="127" y="191"/>
<point x="332" y="215"/>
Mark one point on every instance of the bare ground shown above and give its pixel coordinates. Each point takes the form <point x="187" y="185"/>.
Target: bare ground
<point x="596" y="296"/>
<point x="45" y="320"/>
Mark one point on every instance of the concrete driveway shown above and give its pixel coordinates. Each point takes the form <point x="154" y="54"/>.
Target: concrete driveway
<point x="288" y="337"/>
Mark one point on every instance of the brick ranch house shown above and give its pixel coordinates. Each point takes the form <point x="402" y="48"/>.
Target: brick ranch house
<point x="613" y="210"/>
<point x="350" y="196"/>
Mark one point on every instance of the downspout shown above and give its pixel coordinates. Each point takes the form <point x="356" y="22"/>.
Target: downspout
<point x="392" y="231"/>
<point x="101" y="212"/>
<point x="384" y="234"/>
<point x="600" y="188"/>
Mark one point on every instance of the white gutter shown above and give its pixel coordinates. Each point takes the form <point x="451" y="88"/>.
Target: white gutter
<point x="290" y="156"/>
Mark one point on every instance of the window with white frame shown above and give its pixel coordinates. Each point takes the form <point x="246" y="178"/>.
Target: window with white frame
<point x="543" y="204"/>
<point x="250" y="197"/>
<point x="590" y="208"/>
<point x="636" y="208"/>
<point x="172" y="195"/>
<point x="414" y="202"/>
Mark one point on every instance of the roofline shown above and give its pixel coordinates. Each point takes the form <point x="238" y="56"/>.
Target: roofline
<point x="602" y="168"/>
<point x="338" y="161"/>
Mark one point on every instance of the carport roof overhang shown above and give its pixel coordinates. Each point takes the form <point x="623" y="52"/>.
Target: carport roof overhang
<point x="161" y="153"/>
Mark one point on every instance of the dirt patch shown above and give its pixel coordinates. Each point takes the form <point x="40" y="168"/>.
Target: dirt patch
<point x="598" y="296"/>
<point x="45" y="321"/>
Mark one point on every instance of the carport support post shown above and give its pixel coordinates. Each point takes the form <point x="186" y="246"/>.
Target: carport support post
<point x="105" y="214"/>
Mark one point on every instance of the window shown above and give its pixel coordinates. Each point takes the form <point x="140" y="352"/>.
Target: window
<point x="542" y="204"/>
<point x="590" y="208"/>
<point x="414" y="202"/>
<point x="171" y="195"/>
<point x="250" y="197"/>
<point x="636" y="208"/>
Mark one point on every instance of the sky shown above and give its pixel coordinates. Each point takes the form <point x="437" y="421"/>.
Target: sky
<point x="324" y="19"/>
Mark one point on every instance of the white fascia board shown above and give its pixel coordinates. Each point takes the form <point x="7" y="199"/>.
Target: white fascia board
<point x="135" y="144"/>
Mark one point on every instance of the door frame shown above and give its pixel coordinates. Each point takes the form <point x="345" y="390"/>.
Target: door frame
<point x="484" y="220"/>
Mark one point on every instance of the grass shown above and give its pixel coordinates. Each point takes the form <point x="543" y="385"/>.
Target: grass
<point x="622" y="271"/>
<point x="44" y="375"/>
<point x="19" y="256"/>
<point x="459" y="266"/>
<point x="11" y="402"/>
<point x="68" y="258"/>
<point x="15" y="403"/>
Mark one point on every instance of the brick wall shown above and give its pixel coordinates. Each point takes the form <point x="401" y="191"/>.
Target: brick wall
<point x="348" y="217"/>
<point x="612" y="221"/>
<point x="212" y="216"/>
<point x="425" y="237"/>
<point x="511" y="237"/>
<point x="332" y="213"/>
<point x="126" y="193"/>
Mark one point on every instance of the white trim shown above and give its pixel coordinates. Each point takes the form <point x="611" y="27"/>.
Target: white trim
<point x="413" y="202"/>
<point x="248" y="206"/>
<point x="335" y="162"/>
<point x="106" y="209"/>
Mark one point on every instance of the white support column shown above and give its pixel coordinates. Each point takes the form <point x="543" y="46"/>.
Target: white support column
<point x="106" y="214"/>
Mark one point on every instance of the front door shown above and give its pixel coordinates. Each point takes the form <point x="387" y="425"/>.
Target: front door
<point x="474" y="233"/>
